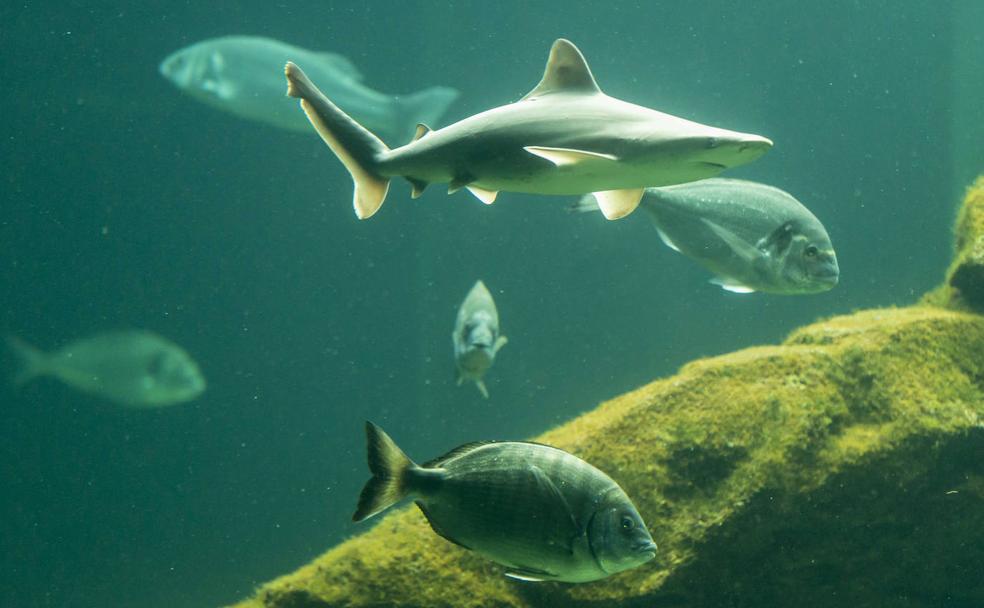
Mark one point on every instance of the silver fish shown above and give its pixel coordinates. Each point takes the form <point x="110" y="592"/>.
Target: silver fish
<point x="132" y="368"/>
<point x="564" y="137"/>
<point x="476" y="336"/>
<point x="542" y="513"/>
<point x="241" y="75"/>
<point x="753" y="237"/>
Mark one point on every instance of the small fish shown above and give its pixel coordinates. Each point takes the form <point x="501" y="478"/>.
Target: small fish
<point x="753" y="237"/>
<point x="542" y="513"/>
<point x="241" y="75"/>
<point x="564" y="137"/>
<point x="132" y="368"/>
<point x="476" y="336"/>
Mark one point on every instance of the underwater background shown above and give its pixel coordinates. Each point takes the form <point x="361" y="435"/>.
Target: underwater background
<point x="126" y="204"/>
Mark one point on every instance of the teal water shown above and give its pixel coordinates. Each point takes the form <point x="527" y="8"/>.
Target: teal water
<point x="126" y="204"/>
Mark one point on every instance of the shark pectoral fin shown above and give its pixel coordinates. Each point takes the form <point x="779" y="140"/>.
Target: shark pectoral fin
<point x="666" y="240"/>
<point x="421" y="131"/>
<point x="499" y="343"/>
<point x="486" y="196"/>
<point x="731" y="285"/>
<point x="562" y="157"/>
<point x="481" y="388"/>
<point x="615" y="204"/>
<point x="418" y="187"/>
<point x="740" y="247"/>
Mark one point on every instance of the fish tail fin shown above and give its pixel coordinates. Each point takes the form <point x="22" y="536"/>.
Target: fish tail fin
<point x="32" y="360"/>
<point x="585" y="204"/>
<point x="424" y="107"/>
<point x="391" y="471"/>
<point x="357" y="148"/>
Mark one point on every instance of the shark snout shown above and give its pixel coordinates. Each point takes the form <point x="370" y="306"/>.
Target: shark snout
<point x="754" y="144"/>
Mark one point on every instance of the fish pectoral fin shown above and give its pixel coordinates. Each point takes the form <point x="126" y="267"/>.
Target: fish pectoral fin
<point x="437" y="528"/>
<point x="563" y="157"/>
<point x="667" y="240"/>
<point x="557" y="510"/>
<point x="732" y="285"/>
<point x="222" y="89"/>
<point x="417" y="187"/>
<point x="486" y="196"/>
<point x="615" y="204"/>
<point x="499" y="343"/>
<point x="481" y="388"/>
<point x="532" y="575"/>
<point x="740" y="247"/>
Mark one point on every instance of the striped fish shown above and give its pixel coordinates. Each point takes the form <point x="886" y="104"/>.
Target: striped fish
<point x="539" y="511"/>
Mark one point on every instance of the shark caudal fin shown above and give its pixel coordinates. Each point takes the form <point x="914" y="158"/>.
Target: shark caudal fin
<point x="391" y="470"/>
<point x="32" y="361"/>
<point x="356" y="147"/>
<point x="424" y="107"/>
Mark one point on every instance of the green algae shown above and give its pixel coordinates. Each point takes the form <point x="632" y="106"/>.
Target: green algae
<point x="842" y="467"/>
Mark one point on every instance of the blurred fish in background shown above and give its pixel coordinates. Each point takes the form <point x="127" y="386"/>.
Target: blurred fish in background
<point x="752" y="236"/>
<point x="476" y="336"/>
<point x="135" y="368"/>
<point x="243" y="75"/>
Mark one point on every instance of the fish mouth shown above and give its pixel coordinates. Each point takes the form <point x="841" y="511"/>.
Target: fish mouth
<point x="648" y="549"/>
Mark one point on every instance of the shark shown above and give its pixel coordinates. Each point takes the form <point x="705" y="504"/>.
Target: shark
<point x="564" y="137"/>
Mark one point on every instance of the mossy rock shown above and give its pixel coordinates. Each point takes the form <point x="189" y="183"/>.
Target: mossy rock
<point x="844" y="467"/>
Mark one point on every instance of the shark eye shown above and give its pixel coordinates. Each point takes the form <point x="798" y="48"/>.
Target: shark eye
<point x="712" y="142"/>
<point x="811" y="251"/>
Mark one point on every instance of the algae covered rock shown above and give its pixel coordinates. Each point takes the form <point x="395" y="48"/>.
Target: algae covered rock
<point x="966" y="275"/>
<point x="846" y="463"/>
<point x="844" y="467"/>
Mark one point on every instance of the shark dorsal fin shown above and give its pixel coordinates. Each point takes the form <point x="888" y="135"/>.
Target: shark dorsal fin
<point x="566" y="72"/>
<point x="421" y="131"/>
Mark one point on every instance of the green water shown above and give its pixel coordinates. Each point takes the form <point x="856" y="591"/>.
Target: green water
<point x="126" y="204"/>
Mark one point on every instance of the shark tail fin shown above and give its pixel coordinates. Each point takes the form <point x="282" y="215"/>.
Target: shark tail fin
<point x="424" y="107"/>
<point x="357" y="148"/>
<point x="32" y="360"/>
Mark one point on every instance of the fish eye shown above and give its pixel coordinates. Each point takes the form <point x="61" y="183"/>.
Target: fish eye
<point x="811" y="251"/>
<point x="627" y="523"/>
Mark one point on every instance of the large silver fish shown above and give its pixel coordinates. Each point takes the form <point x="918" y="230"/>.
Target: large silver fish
<point x="133" y="368"/>
<point x="241" y="75"/>
<point x="476" y="336"/>
<point x="564" y="137"/>
<point x="753" y="237"/>
<point x="542" y="513"/>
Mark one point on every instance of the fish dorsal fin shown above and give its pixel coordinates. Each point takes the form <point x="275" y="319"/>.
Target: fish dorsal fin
<point x="615" y="204"/>
<point x="341" y="64"/>
<point x="566" y="72"/>
<point x="461" y="450"/>
<point x="421" y="131"/>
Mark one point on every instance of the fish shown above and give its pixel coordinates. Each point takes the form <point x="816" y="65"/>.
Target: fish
<point x="544" y="514"/>
<point x="476" y="336"/>
<point x="564" y="137"/>
<point x="132" y="368"/>
<point x="241" y="75"/>
<point x="751" y="236"/>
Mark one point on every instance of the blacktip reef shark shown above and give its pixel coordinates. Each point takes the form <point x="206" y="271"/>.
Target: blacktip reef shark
<point x="564" y="137"/>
